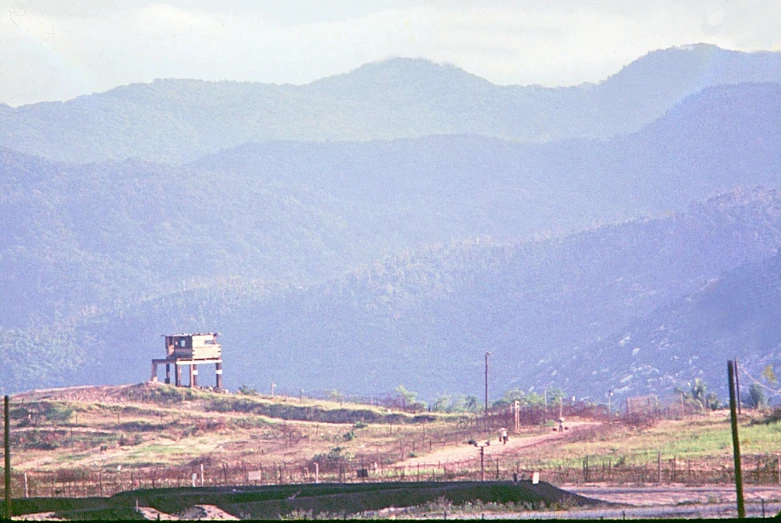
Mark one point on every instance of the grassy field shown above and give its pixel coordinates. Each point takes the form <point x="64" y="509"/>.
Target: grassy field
<point x="703" y="436"/>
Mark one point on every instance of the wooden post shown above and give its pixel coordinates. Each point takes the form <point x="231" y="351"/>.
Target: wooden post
<point x="683" y="410"/>
<point x="735" y="440"/>
<point x="659" y="467"/>
<point x="486" y="390"/>
<point x="178" y="374"/>
<point x="737" y="386"/>
<point x="7" y="447"/>
<point x="153" y="378"/>
<point x="585" y="469"/>
<point x="482" y="462"/>
<point x="193" y="376"/>
<point x="218" y="373"/>
<point x="168" y="373"/>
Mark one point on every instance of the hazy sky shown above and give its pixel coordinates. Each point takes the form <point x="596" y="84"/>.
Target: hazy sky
<point x="58" y="49"/>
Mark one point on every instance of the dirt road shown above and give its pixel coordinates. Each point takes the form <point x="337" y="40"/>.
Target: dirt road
<point x="467" y="452"/>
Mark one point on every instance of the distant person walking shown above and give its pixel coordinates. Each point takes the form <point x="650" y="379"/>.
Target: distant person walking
<point x="503" y="436"/>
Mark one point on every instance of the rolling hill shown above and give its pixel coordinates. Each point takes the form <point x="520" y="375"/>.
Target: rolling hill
<point x="177" y="121"/>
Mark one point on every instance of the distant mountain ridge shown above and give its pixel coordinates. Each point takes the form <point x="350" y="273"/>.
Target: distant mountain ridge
<point x="180" y="120"/>
<point x="403" y="254"/>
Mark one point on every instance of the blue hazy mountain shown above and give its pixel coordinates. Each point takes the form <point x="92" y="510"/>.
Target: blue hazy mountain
<point x="350" y="256"/>
<point x="181" y="120"/>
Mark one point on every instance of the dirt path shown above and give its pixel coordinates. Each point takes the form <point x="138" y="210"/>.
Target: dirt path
<point x="466" y="452"/>
<point x="673" y="494"/>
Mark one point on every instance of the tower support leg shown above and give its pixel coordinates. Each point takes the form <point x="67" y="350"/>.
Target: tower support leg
<point x="218" y="372"/>
<point x="168" y="373"/>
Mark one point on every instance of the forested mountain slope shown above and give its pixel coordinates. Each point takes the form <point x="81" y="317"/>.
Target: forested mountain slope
<point x="80" y="238"/>
<point x="426" y="317"/>
<point x="735" y="315"/>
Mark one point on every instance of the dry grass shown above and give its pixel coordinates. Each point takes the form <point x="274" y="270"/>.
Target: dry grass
<point x="140" y="430"/>
<point x="147" y="427"/>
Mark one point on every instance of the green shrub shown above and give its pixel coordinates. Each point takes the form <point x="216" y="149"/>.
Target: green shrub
<point x="247" y="390"/>
<point x="129" y="441"/>
<point x="58" y="412"/>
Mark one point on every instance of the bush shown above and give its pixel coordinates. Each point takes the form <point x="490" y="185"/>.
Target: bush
<point x="170" y="394"/>
<point x="756" y="396"/>
<point x="58" y="412"/>
<point x="333" y="459"/>
<point x="129" y="441"/>
<point x="247" y="390"/>
<point x="773" y="417"/>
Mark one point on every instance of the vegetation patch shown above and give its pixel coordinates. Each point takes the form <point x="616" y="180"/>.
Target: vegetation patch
<point x="309" y="412"/>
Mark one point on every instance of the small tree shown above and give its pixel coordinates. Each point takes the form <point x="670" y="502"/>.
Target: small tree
<point x="410" y="399"/>
<point x="442" y="403"/>
<point x="756" y="396"/>
<point x="712" y="401"/>
<point x="698" y="392"/>
<point x="334" y="395"/>
<point x="472" y="404"/>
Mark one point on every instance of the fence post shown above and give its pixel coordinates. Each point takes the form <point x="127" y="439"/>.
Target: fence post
<point x="7" y="447"/>
<point x="735" y="440"/>
<point x="659" y="466"/>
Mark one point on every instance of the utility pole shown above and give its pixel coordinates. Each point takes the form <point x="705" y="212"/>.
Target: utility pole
<point x="486" y="388"/>
<point x="7" y="431"/>
<point x="735" y="441"/>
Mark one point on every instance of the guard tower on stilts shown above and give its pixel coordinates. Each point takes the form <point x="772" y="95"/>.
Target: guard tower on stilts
<point x="189" y="350"/>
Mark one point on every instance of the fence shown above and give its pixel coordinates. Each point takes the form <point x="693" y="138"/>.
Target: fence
<point x="641" y="469"/>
